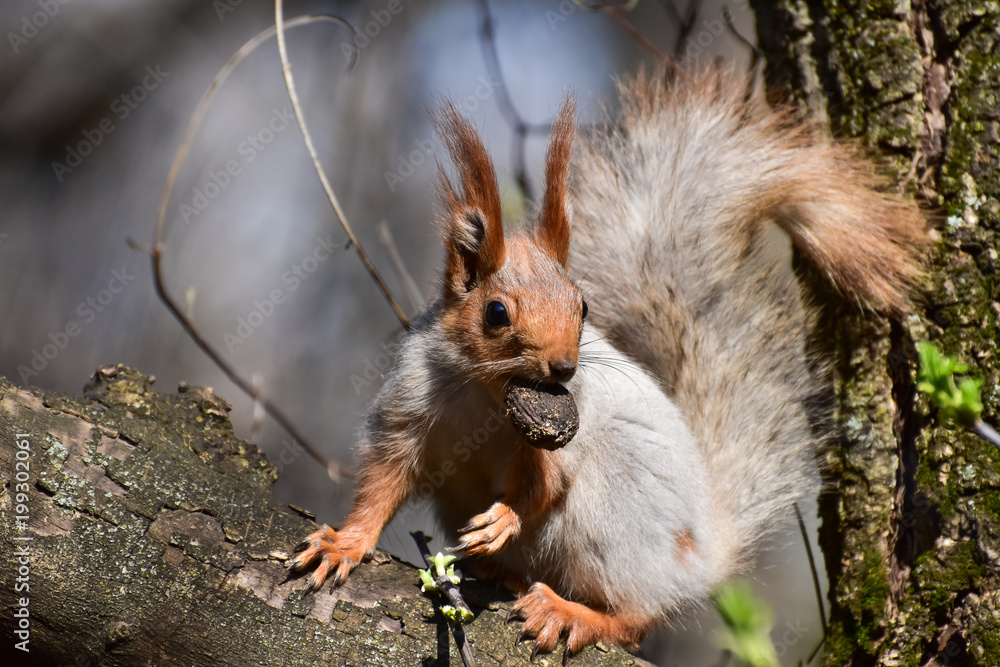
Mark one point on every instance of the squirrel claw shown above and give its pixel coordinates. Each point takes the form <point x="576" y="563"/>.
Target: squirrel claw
<point x="329" y="552"/>
<point x="548" y="618"/>
<point x="489" y="532"/>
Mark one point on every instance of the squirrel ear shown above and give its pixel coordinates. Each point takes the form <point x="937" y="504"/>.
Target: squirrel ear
<point x="552" y="232"/>
<point x="472" y="223"/>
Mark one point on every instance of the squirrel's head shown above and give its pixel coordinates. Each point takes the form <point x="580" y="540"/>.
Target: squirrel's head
<point x="508" y="303"/>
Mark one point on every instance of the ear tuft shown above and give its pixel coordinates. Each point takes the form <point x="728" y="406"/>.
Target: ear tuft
<point x="469" y="230"/>
<point x="552" y="232"/>
<point x="473" y="221"/>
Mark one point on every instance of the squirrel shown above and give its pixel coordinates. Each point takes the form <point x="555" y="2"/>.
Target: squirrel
<point x="694" y="387"/>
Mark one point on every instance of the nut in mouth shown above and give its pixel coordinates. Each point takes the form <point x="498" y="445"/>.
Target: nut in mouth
<point x="545" y="414"/>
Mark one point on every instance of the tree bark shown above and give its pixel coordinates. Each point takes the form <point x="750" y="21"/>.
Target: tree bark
<point x="147" y="535"/>
<point x="911" y="522"/>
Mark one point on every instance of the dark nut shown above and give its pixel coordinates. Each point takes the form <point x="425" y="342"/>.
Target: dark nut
<point x="545" y="415"/>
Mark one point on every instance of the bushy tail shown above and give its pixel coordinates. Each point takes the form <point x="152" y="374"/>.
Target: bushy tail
<point x="677" y="211"/>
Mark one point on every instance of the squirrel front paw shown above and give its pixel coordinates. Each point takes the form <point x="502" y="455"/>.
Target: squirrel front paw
<point x="489" y="532"/>
<point x="328" y="550"/>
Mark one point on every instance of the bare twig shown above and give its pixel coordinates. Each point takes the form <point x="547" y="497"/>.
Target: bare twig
<point x="454" y="596"/>
<point x="286" y="68"/>
<point x="334" y="469"/>
<point x="521" y="128"/>
<point x="815" y="577"/>
<point x="727" y="18"/>
<point x="618" y="15"/>
<point x="257" y="415"/>
<point x="685" y="23"/>
<point x="409" y="284"/>
<point x="986" y="432"/>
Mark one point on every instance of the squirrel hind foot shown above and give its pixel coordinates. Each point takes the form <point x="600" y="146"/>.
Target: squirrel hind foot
<point x="548" y="617"/>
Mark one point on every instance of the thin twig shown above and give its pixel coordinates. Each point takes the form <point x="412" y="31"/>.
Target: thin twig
<point x="618" y="15"/>
<point x="257" y="415"/>
<point x="685" y="23"/>
<point x="521" y="128"/>
<point x="409" y="284"/>
<point x="986" y="432"/>
<point x="334" y="469"/>
<point x="286" y="68"/>
<point x="727" y="18"/>
<point x="815" y="577"/>
<point x="450" y="591"/>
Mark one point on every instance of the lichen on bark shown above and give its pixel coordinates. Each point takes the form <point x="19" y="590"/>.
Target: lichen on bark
<point x="912" y="520"/>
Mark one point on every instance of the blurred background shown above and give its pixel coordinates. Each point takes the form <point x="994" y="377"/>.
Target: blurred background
<point x="95" y="96"/>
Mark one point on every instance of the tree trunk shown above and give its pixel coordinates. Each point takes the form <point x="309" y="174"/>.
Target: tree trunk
<point x="147" y="535"/>
<point x="911" y="521"/>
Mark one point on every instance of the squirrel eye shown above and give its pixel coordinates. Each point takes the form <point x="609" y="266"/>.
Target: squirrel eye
<point x="496" y="315"/>
<point x="584" y="311"/>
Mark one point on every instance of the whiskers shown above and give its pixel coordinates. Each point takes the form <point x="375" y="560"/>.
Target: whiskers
<point x="491" y="370"/>
<point x="597" y="361"/>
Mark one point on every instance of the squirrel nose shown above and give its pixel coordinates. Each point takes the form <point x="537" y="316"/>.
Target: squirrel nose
<point x="562" y="371"/>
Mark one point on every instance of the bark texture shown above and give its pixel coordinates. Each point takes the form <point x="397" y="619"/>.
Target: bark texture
<point x="155" y="540"/>
<point x="911" y="522"/>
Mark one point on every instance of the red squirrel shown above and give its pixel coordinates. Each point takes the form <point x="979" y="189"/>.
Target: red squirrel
<point x="690" y="372"/>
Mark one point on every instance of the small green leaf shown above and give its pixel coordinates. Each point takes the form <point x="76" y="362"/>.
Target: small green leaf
<point x="456" y="615"/>
<point x="936" y="378"/>
<point x="748" y="620"/>
<point x="427" y="581"/>
<point x="441" y="563"/>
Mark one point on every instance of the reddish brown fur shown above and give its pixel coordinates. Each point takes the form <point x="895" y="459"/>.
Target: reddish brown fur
<point x="552" y="233"/>
<point x="547" y="617"/>
<point x="545" y="318"/>
<point x="382" y="488"/>
<point x="535" y="482"/>
<point x="544" y="306"/>
<point x="683" y="546"/>
<point x="479" y="196"/>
